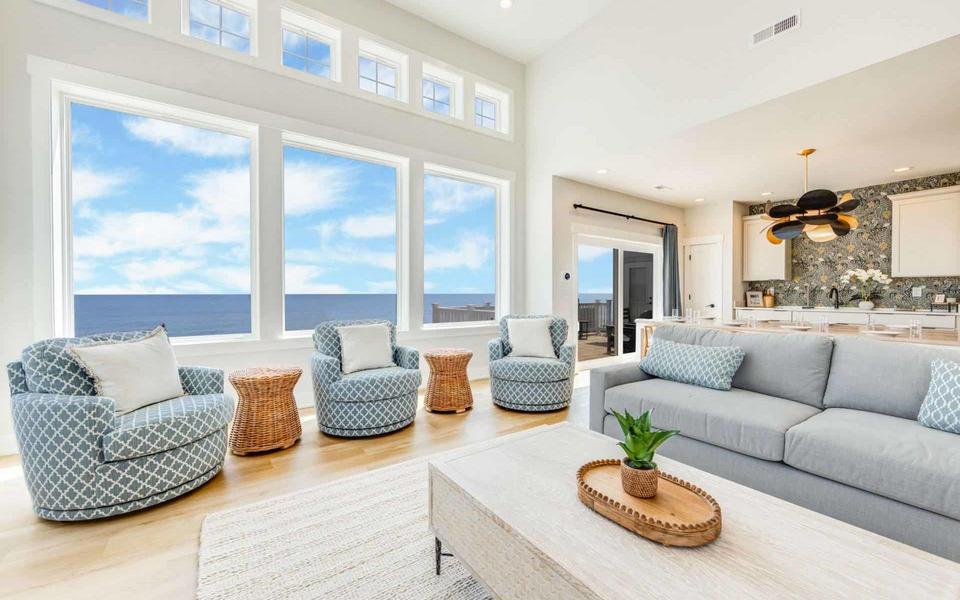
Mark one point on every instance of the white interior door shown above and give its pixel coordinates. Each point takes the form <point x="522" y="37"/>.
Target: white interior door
<point x="703" y="278"/>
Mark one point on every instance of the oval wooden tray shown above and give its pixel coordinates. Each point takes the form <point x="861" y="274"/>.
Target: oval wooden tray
<point x="681" y="514"/>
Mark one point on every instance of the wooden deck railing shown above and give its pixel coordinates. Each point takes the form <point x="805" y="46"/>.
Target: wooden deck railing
<point x="463" y="314"/>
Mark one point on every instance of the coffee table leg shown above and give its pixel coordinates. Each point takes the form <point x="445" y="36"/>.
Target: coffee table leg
<point x="439" y="553"/>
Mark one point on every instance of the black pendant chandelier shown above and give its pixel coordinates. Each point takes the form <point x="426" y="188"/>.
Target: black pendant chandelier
<point x="818" y="213"/>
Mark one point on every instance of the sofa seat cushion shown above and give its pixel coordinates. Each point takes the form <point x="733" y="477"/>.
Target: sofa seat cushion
<point x="167" y="425"/>
<point x="889" y="456"/>
<point x="739" y="420"/>
<point x="529" y="369"/>
<point x="373" y="384"/>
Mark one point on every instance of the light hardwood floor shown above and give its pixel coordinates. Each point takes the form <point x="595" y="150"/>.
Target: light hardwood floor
<point x="153" y="553"/>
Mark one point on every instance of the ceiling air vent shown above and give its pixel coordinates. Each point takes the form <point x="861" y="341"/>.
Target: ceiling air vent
<point x="780" y="27"/>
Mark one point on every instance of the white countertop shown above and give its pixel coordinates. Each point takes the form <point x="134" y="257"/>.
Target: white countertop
<point x="852" y="309"/>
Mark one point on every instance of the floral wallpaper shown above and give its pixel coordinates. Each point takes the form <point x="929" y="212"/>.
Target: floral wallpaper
<point x="868" y="247"/>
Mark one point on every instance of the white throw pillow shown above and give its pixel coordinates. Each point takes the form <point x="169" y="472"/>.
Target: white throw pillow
<point x="530" y="337"/>
<point x="365" y="347"/>
<point x="134" y="373"/>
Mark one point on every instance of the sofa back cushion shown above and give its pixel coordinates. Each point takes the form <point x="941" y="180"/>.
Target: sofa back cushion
<point x="885" y="377"/>
<point x="51" y="369"/>
<point x="791" y="366"/>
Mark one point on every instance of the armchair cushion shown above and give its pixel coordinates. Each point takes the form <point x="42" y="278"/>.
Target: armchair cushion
<point x="558" y="331"/>
<point x="365" y="347"/>
<point x="531" y="337"/>
<point x="51" y="369"/>
<point x="529" y="369"/>
<point x="167" y="425"/>
<point x="326" y="340"/>
<point x="373" y="384"/>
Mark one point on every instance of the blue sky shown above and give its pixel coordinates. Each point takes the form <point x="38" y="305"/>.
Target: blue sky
<point x="163" y="208"/>
<point x="595" y="270"/>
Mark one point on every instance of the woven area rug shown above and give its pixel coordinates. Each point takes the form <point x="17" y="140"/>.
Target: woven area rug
<point x="364" y="537"/>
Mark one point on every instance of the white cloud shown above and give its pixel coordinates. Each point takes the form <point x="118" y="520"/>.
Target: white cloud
<point x="302" y="279"/>
<point x="382" y="287"/>
<point x="472" y="252"/>
<point x="233" y="279"/>
<point x="308" y="187"/>
<point x="187" y="139"/>
<point x="87" y="184"/>
<point x="184" y="287"/>
<point x="157" y="269"/>
<point x="224" y="193"/>
<point x="588" y="253"/>
<point x="370" y="226"/>
<point x="448" y="196"/>
<point x="429" y="285"/>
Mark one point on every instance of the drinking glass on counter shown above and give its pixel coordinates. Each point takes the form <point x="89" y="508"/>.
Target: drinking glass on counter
<point x="823" y="324"/>
<point x="916" y="329"/>
<point x="751" y="321"/>
<point x="675" y="313"/>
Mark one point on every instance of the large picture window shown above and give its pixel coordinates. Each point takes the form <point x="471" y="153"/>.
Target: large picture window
<point x="340" y="237"/>
<point x="135" y="9"/>
<point x="460" y="250"/>
<point x="159" y="224"/>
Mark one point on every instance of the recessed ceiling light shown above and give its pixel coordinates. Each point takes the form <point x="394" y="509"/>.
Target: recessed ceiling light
<point x="506" y="3"/>
<point x="662" y="187"/>
<point x="902" y="169"/>
<point x="767" y="194"/>
<point x="698" y="200"/>
<point x="602" y="171"/>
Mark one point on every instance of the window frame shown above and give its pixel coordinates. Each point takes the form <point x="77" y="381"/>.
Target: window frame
<point x="500" y="98"/>
<point x="503" y="234"/>
<point x="401" y="164"/>
<point x="62" y="97"/>
<point x="301" y="24"/>
<point x="236" y="6"/>
<point x="390" y="57"/>
<point x="496" y="113"/>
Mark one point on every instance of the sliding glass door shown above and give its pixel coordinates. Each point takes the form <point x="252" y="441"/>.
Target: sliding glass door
<point x="617" y="283"/>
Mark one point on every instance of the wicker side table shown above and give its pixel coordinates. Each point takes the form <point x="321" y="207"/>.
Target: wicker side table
<point x="448" y="389"/>
<point x="267" y="416"/>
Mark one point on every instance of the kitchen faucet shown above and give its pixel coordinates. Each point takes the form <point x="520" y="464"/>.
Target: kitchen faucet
<point x="835" y="294"/>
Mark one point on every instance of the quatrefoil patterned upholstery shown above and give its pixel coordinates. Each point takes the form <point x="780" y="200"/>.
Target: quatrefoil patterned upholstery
<point x="364" y="403"/>
<point x="532" y="384"/>
<point x="82" y="462"/>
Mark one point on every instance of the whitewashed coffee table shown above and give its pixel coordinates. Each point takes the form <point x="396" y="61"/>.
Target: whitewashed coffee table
<point x="509" y="512"/>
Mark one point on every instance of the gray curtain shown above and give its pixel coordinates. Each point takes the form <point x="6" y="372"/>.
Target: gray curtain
<point x="671" y="271"/>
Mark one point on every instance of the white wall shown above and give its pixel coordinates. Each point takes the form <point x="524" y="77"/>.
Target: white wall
<point x="723" y="219"/>
<point x="566" y="221"/>
<point x="72" y="46"/>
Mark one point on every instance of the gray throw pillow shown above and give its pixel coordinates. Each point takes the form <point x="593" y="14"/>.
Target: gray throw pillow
<point x="705" y="366"/>
<point x="941" y="407"/>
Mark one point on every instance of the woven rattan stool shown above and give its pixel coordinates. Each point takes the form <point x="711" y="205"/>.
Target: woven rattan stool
<point x="267" y="417"/>
<point x="449" y="388"/>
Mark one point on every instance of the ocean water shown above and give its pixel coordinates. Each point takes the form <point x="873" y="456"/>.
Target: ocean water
<point x="218" y="314"/>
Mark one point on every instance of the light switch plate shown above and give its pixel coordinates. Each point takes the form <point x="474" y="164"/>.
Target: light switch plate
<point x="918" y="291"/>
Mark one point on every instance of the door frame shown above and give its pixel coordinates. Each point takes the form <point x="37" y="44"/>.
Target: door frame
<point x="704" y="240"/>
<point x="618" y="239"/>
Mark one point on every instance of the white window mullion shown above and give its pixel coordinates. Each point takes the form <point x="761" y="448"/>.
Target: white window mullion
<point x="413" y="285"/>
<point x="268" y="258"/>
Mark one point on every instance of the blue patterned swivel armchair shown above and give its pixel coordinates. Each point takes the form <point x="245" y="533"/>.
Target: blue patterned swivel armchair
<point x="82" y="462"/>
<point x="532" y="384"/>
<point x="364" y="403"/>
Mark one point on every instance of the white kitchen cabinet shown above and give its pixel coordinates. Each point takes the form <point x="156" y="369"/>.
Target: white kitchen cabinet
<point x="925" y="240"/>
<point x="764" y="314"/>
<point x="945" y="321"/>
<point x="834" y="317"/>
<point x="761" y="259"/>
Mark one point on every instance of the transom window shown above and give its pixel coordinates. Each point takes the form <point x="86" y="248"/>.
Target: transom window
<point x="135" y="9"/>
<point x="378" y="77"/>
<point x="485" y="113"/>
<point x="305" y="52"/>
<point x="220" y="24"/>
<point x="436" y="96"/>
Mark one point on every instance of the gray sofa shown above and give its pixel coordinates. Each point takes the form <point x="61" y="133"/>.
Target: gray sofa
<point x="825" y="423"/>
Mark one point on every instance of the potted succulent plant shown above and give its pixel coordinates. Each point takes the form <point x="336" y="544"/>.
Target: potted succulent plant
<point x="638" y="473"/>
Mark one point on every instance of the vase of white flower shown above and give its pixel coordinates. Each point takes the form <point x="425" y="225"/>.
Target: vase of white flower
<point x="868" y="285"/>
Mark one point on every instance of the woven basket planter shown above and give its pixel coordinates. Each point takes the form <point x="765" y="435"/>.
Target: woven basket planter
<point x="641" y="483"/>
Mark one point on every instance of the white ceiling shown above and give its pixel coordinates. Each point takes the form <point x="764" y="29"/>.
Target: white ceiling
<point x="900" y="112"/>
<point x="523" y="32"/>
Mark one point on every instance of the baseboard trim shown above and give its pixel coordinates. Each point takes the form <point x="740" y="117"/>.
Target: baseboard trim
<point x="8" y="444"/>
